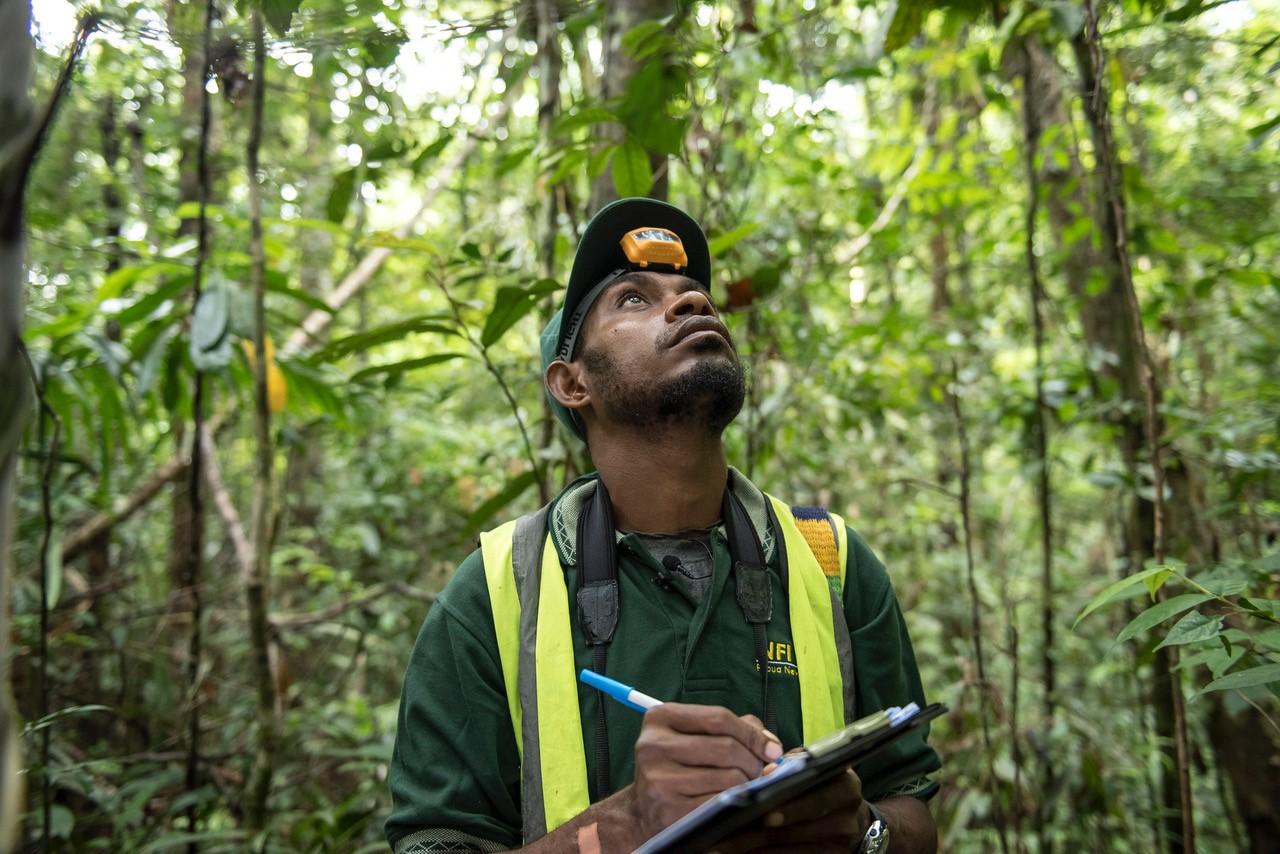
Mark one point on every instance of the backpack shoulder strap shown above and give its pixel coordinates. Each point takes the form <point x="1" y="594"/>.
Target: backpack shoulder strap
<point x="827" y="538"/>
<point x="825" y="533"/>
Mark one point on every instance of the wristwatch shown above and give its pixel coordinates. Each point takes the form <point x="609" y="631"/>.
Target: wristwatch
<point x="876" y="840"/>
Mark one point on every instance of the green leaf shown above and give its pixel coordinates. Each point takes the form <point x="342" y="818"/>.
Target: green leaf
<point x="145" y="306"/>
<point x="277" y="286"/>
<point x="394" y="368"/>
<point x="431" y="152"/>
<point x="513" y="489"/>
<point x="645" y="39"/>
<point x="50" y="719"/>
<point x="433" y="323"/>
<point x="1156" y="581"/>
<point x="1192" y="628"/>
<point x="279" y="13"/>
<point x="511" y="304"/>
<point x="906" y="20"/>
<point x="1068" y="19"/>
<point x="210" y="343"/>
<point x="1113" y="591"/>
<point x="1259" y="133"/>
<point x="1160" y="612"/>
<point x="61" y="822"/>
<point x="632" y="175"/>
<point x="722" y="243"/>
<point x="344" y="188"/>
<point x="1263" y="674"/>
<point x="53" y="570"/>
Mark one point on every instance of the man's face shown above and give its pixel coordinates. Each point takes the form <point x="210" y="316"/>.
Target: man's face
<point x="655" y="353"/>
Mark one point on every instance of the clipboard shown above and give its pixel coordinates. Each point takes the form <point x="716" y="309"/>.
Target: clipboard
<point x="815" y="764"/>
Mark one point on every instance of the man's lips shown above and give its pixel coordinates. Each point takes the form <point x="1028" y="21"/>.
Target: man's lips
<point x="695" y="326"/>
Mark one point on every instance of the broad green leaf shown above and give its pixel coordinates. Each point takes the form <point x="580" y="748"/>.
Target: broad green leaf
<point x="433" y="323"/>
<point x="722" y="243"/>
<point x="646" y="39"/>
<point x="1113" y="591"/>
<point x="61" y="822"/>
<point x="277" y="285"/>
<point x="513" y="489"/>
<point x="600" y="159"/>
<point x="406" y="365"/>
<point x="1156" y="581"/>
<point x="279" y="13"/>
<point x="1262" y="607"/>
<point x="150" y="367"/>
<point x="511" y="304"/>
<point x="1068" y="19"/>
<point x="1192" y="628"/>
<point x="632" y="175"/>
<point x="1160" y="612"/>
<point x="1263" y="674"/>
<point x="344" y="188"/>
<point x="311" y="386"/>
<point x="431" y="152"/>
<point x="906" y="19"/>
<point x="209" y="321"/>
<point x="144" y="307"/>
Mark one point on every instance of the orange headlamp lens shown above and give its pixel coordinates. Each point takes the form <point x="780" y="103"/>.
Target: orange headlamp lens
<point x="650" y="247"/>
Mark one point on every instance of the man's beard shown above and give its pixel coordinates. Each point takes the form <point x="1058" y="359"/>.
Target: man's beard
<point x="709" y="394"/>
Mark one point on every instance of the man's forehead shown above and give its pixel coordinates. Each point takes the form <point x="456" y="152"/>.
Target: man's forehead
<point x="655" y="279"/>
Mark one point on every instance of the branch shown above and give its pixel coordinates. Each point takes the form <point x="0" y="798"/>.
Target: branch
<point x="225" y="506"/>
<point x="862" y="241"/>
<point x="324" y="615"/>
<point x="16" y="166"/>
<point x="315" y="323"/>
<point x="146" y="489"/>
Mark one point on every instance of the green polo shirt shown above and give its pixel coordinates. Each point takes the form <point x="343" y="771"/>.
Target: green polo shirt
<point x="455" y="771"/>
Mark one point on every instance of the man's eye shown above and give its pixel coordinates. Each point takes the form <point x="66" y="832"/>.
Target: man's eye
<point x="631" y="298"/>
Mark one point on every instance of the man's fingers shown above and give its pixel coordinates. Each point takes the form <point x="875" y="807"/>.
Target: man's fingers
<point x="715" y="720"/>
<point x="840" y="794"/>
<point x="707" y="751"/>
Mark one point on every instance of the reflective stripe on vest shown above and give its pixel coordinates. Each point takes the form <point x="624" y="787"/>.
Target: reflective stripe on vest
<point x="535" y="645"/>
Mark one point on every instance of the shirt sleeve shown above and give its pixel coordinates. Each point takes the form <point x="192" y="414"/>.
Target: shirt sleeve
<point x="885" y="674"/>
<point x="455" y="773"/>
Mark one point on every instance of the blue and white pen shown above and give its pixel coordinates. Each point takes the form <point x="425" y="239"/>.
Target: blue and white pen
<point x="624" y="694"/>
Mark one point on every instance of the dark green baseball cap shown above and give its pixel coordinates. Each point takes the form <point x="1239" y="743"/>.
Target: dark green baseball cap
<point x="600" y="258"/>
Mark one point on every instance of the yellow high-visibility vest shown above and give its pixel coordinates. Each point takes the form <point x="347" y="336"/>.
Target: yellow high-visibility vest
<point x="535" y="645"/>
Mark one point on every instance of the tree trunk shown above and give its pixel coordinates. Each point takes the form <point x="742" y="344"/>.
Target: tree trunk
<point x="257" y="596"/>
<point x="15" y="390"/>
<point x="1141" y="389"/>
<point x="620" y="16"/>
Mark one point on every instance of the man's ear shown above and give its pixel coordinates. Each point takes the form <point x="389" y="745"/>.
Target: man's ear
<point x="565" y="381"/>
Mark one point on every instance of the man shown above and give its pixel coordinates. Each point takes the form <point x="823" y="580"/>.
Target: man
<point x="673" y="573"/>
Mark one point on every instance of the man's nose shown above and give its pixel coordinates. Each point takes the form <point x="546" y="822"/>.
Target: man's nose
<point x="693" y="302"/>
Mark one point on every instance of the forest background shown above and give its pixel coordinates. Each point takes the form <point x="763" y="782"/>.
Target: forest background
<point x="1004" y="275"/>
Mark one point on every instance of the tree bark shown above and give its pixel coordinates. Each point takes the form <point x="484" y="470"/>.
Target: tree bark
<point x="258" y="786"/>
<point x="1139" y="370"/>
<point x="15" y="391"/>
<point x="620" y="16"/>
<point x="1040" y="435"/>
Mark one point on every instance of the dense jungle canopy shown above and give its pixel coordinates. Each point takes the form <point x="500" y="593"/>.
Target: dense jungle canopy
<point x="1005" y="277"/>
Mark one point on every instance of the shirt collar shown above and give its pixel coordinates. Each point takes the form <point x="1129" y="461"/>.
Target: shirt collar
<point x="567" y="506"/>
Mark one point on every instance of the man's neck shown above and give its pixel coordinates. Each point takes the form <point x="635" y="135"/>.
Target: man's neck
<point x="663" y="482"/>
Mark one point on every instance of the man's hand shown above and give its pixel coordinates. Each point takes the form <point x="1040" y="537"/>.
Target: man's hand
<point x="831" y="818"/>
<point x="688" y="753"/>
